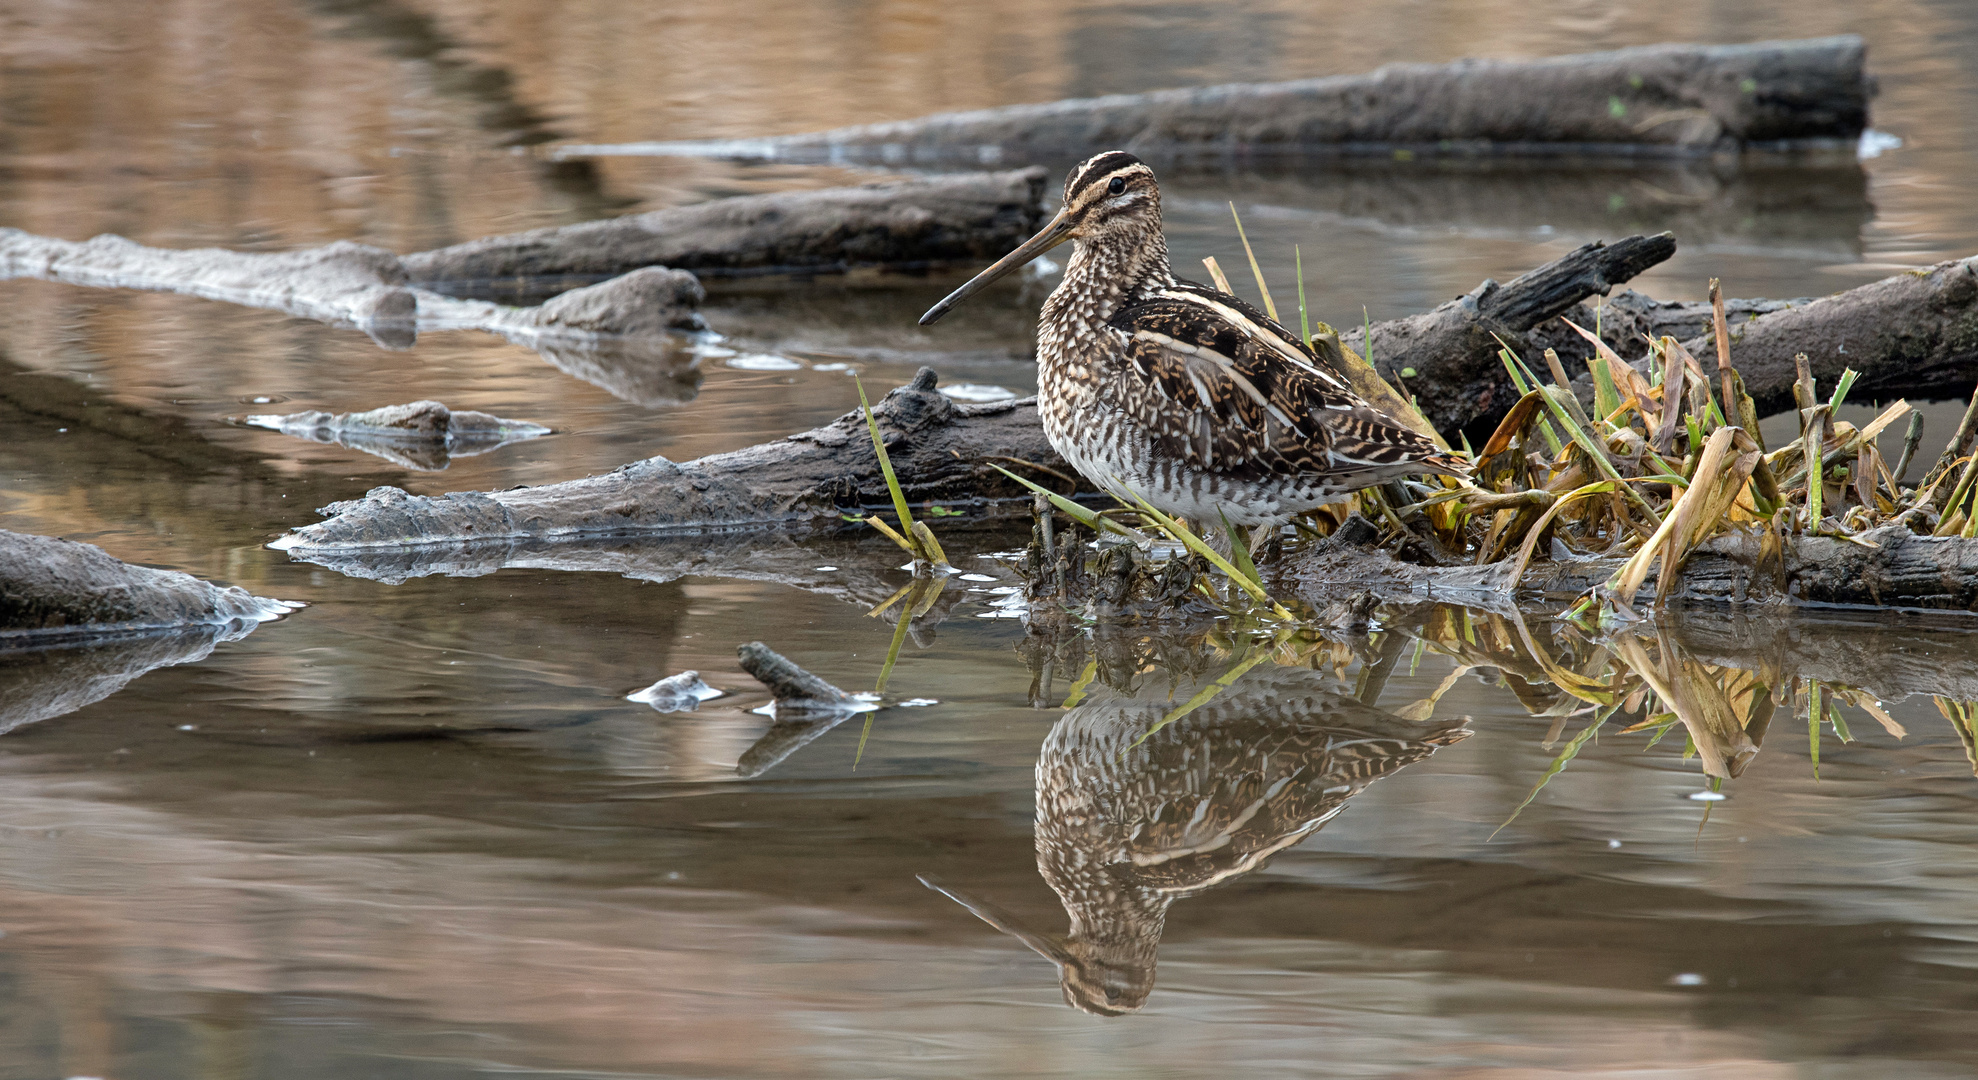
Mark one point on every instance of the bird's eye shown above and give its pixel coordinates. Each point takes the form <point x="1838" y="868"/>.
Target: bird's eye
<point x="1118" y="185"/>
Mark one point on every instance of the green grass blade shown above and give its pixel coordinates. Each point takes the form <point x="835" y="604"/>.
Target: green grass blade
<point x="1270" y="306"/>
<point x="1205" y="695"/>
<point x="1194" y="543"/>
<point x="1304" y="315"/>
<point x="1084" y="684"/>
<point x="885" y="463"/>
<point x="1081" y="514"/>
<point x="1239" y="551"/>
<point x="1813" y="716"/>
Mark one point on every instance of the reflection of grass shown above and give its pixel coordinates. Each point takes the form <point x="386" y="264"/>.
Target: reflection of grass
<point x="1646" y="677"/>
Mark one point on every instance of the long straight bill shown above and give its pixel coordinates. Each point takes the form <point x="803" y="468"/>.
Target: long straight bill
<point x="1057" y="232"/>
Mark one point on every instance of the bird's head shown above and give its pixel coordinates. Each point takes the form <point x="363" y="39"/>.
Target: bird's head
<point x="1111" y="197"/>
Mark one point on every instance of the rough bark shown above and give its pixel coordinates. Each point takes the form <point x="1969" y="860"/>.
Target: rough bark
<point x="967" y="218"/>
<point x="1657" y="99"/>
<point x="1914" y="334"/>
<point x="942" y="451"/>
<point x="52" y="590"/>
<point x="1457" y="377"/>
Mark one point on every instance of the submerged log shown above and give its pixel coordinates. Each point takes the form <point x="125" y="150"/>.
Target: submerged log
<point x="967" y="218"/>
<point x="349" y="284"/>
<point x="1656" y="99"/>
<point x="1893" y="569"/>
<point x="54" y="590"/>
<point x="942" y="450"/>
<point x="424" y="435"/>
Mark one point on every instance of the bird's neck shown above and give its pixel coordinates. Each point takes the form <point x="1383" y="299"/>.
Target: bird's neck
<point x="1103" y="274"/>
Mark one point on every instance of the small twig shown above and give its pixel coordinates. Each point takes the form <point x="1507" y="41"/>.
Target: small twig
<point x="1066" y="477"/>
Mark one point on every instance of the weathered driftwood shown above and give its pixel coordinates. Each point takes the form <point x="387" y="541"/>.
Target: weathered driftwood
<point x="1891" y="655"/>
<point x="806" y="708"/>
<point x="52" y="590"/>
<point x="942" y="450"/>
<point x="349" y="284"/>
<point x="1458" y="379"/>
<point x="422" y="435"/>
<point x="1912" y="334"/>
<point x="1657" y="99"/>
<point x="676" y="693"/>
<point x="966" y="218"/>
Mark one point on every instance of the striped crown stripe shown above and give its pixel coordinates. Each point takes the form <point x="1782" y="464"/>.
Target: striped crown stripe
<point x="1107" y="163"/>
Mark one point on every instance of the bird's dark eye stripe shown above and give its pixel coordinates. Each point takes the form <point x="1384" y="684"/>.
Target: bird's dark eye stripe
<point x="1118" y="185"/>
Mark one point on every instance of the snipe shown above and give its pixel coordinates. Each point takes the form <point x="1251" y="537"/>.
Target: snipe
<point x="1182" y="394"/>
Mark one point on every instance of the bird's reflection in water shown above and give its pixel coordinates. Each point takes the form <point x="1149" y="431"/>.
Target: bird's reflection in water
<point x="1134" y="814"/>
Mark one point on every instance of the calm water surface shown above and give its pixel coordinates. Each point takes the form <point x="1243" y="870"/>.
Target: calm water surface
<point x="416" y="831"/>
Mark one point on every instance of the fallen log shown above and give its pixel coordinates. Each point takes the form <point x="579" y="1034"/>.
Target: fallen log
<point x="918" y="224"/>
<point x="1893" y="569"/>
<point x="942" y="450"/>
<point x="1913" y="334"/>
<point x="1650" y="100"/>
<point x="56" y="590"/>
<point x="355" y="285"/>
<point x="1448" y="358"/>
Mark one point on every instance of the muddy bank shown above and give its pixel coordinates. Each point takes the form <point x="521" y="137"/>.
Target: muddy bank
<point x="962" y="219"/>
<point x="943" y="451"/>
<point x="53" y="590"/>
<point x="1651" y="100"/>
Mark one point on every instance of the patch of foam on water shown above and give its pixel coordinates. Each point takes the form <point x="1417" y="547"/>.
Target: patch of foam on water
<point x="1707" y="796"/>
<point x="833" y="367"/>
<point x="1875" y="143"/>
<point x="763" y="362"/>
<point x="977" y="577"/>
<point x="676" y="693"/>
<point x="919" y="702"/>
<point x="283" y="543"/>
<point x="978" y="392"/>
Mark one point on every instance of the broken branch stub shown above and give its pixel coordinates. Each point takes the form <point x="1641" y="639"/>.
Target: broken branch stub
<point x="1457" y="377"/>
<point x="1656" y="99"/>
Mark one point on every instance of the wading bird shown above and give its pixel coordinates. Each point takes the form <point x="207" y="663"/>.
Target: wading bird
<point x="1184" y="395"/>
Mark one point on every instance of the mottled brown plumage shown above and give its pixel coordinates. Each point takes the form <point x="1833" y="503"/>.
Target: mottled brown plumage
<point x="1181" y="394"/>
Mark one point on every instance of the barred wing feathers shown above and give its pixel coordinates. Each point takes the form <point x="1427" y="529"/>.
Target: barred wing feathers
<point x="1223" y="387"/>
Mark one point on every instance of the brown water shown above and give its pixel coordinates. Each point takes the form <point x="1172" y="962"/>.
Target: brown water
<point x="415" y="830"/>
